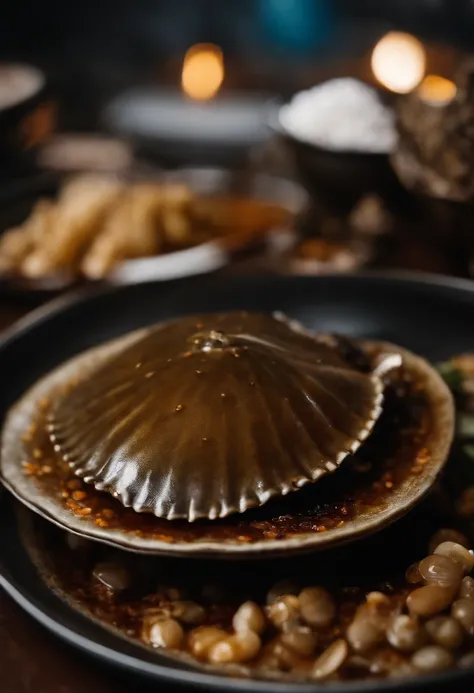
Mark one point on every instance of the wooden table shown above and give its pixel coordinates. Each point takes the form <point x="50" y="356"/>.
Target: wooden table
<point x="34" y="661"/>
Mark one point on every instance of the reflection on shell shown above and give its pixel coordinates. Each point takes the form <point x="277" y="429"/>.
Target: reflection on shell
<point x="431" y="440"/>
<point x="214" y="414"/>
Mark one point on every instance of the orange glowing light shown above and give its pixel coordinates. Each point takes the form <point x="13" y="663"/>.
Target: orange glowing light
<point x="437" y="90"/>
<point x="203" y="71"/>
<point x="399" y="62"/>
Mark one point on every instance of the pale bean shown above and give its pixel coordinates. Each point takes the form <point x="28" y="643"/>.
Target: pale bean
<point x="364" y="633"/>
<point x="282" y="610"/>
<point x="202" y="639"/>
<point x="299" y="639"/>
<point x="188" y="612"/>
<point x="457" y="553"/>
<point x="166" y="633"/>
<point x="112" y="575"/>
<point x="241" y="647"/>
<point x="378" y="602"/>
<point x="379" y="608"/>
<point x="466" y="591"/>
<point x="445" y="631"/>
<point x="330" y="660"/>
<point x="432" y="658"/>
<point x="463" y="611"/>
<point x="317" y="607"/>
<point x="249" y="616"/>
<point x="443" y="535"/>
<point x="429" y="600"/>
<point x="278" y="657"/>
<point x="441" y="570"/>
<point x="280" y="589"/>
<point x="406" y="633"/>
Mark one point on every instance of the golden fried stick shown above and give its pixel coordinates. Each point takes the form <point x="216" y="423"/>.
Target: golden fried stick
<point x="80" y="211"/>
<point x="131" y="231"/>
<point x="176" y="226"/>
<point x="177" y="195"/>
<point x="15" y="245"/>
<point x="176" y="217"/>
<point x="18" y="242"/>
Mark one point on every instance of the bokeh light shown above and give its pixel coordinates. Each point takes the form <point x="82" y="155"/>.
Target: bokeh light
<point x="203" y="71"/>
<point x="399" y="62"/>
<point x="437" y="90"/>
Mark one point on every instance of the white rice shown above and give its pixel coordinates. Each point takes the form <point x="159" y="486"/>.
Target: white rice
<point x="341" y="115"/>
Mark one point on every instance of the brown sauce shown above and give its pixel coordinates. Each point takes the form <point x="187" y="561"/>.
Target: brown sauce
<point x="395" y="450"/>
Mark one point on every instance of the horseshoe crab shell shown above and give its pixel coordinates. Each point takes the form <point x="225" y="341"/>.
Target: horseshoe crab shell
<point x="212" y="415"/>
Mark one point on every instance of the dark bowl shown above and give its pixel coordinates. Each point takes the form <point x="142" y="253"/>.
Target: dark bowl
<point x="26" y="122"/>
<point x="339" y="178"/>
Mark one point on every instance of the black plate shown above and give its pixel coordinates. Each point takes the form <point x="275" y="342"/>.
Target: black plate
<point x="431" y="316"/>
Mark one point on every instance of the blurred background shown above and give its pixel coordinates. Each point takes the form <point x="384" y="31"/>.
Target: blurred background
<point x="96" y="48"/>
<point x="157" y="90"/>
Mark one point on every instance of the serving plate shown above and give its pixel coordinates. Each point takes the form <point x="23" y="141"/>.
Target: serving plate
<point x="17" y="201"/>
<point x="425" y="314"/>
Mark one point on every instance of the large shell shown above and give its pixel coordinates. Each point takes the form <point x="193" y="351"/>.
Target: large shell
<point x="240" y="536"/>
<point x="212" y="415"/>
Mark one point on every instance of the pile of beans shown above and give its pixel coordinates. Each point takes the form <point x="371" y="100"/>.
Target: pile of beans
<point x="425" y="626"/>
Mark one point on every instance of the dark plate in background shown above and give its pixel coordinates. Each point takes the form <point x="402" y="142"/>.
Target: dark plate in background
<point x="431" y="316"/>
<point x="17" y="199"/>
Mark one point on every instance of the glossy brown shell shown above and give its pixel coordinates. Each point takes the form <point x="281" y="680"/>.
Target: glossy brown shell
<point x="435" y="441"/>
<point x="214" y="414"/>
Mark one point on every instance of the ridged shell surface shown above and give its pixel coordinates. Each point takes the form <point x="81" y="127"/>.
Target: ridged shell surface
<point x="213" y="414"/>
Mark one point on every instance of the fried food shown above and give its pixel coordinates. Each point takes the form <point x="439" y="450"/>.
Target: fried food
<point x="80" y="211"/>
<point x="129" y="232"/>
<point x="17" y="243"/>
<point x="98" y="222"/>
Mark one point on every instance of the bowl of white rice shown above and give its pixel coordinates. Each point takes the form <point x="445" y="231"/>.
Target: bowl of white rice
<point x="340" y="134"/>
